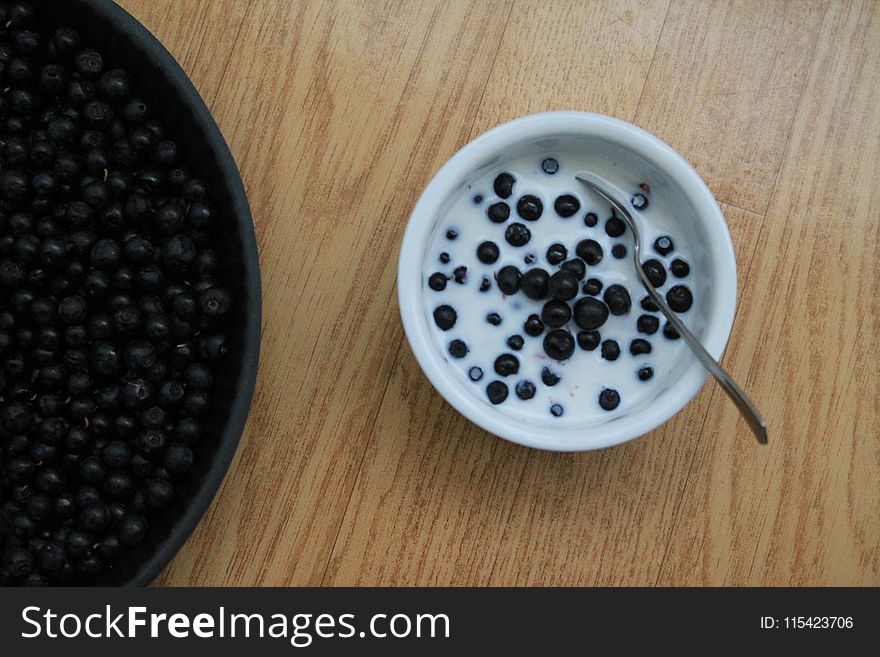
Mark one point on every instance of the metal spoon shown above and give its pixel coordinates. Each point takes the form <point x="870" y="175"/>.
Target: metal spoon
<point x="746" y="407"/>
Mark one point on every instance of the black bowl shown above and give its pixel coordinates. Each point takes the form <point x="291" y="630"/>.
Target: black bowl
<point x="125" y="43"/>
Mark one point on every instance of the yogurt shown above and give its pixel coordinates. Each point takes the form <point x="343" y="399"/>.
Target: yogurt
<point x="586" y="387"/>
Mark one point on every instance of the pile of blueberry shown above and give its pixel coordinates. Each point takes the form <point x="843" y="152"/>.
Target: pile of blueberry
<point x="111" y="315"/>
<point x="574" y="303"/>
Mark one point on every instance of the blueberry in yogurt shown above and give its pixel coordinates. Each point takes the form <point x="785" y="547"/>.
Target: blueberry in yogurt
<point x="556" y="253"/>
<point x="497" y="392"/>
<point x="530" y="207"/>
<point x="590" y="251"/>
<point x="555" y="313"/>
<point x="487" y="252"/>
<point x="503" y="185"/>
<point x="508" y="279"/>
<point x="535" y="284"/>
<point x="517" y="234"/>
<point x="444" y="317"/>
<point x="566" y="206"/>
<point x="498" y="213"/>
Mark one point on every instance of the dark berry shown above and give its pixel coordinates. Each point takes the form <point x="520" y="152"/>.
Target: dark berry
<point x="533" y="326"/>
<point x="458" y="349"/>
<point x="617" y="299"/>
<point x="444" y="317"/>
<point x="529" y="207"/>
<point x="475" y="374"/>
<point x="639" y="346"/>
<point x="588" y="340"/>
<point x="615" y="227"/>
<point x="663" y="245"/>
<point x="679" y="268"/>
<point x="508" y="279"/>
<point x="517" y="234"/>
<point x="566" y="205"/>
<point x="535" y="284"/>
<point x="506" y="364"/>
<point x="556" y="253"/>
<point x="485" y="284"/>
<point x="590" y="251"/>
<point x="679" y="298"/>
<point x="590" y="313"/>
<point x="590" y="219"/>
<point x="487" y="252"/>
<point x="550" y="165"/>
<point x="555" y="313"/>
<point x="618" y="251"/>
<point x="556" y="410"/>
<point x="669" y="332"/>
<point x="459" y="275"/>
<point x="645" y="373"/>
<point x="451" y="234"/>
<point x="445" y="258"/>
<point x="437" y="282"/>
<point x="575" y="266"/>
<point x="655" y="272"/>
<point x="525" y="390"/>
<point x="563" y="285"/>
<point x="515" y="342"/>
<point x="494" y="319"/>
<point x="503" y="185"/>
<point x="610" y="350"/>
<point x="549" y="377"/>
<point x="497" y="392"/>
<point x="647" y="324"/>
<point x="609" y="399"/>
<point x="559" y="344"/>
<point x="592" y="287"/>
<point x="498" y="213"/>
<point x="530" y="259"/>
<point x="647" y="303"/>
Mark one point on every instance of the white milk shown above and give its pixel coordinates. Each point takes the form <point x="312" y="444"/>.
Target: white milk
<point x="586" y="373"/>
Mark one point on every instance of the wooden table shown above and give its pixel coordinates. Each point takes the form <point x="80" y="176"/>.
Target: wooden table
<point x="353" y="470"/>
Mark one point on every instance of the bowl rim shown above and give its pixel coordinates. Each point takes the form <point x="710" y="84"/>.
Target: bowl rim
<point x="196" y="505"/>
<point x="720" y="312"/>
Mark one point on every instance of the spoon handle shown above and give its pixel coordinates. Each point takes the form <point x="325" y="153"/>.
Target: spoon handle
<point x="752" y="415"/>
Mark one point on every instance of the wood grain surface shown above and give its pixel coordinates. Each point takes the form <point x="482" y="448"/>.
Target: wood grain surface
<point x="353" y="470"/>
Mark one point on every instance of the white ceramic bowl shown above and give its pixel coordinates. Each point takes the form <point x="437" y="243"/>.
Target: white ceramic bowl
<point x="615" y="145"/>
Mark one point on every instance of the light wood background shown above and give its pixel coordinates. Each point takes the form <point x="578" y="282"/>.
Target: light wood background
<point x="354" y="471"/>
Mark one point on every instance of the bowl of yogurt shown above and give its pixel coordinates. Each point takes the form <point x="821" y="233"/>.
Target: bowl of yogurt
<point x="518" y="292"/>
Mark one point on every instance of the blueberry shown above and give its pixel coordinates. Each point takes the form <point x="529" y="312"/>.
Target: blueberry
<point x="556" y="410"/>
<point x="559" y="344"/>
<point x="485" y="285"/>
<point x="555" y="313"/>
<point x="615" y="227"/>
<point x="508" y="279"/>
<point x="445" y="258"/>
<point x="618" y="251"/>
<point x="655" y="272"/>
<point x="549" y="377"/>
<point x="592" y="287"/>
<point x="563" y="285"/>
<point x="529" y="207"/>
<point x="478" y="199"/>
<point x="609" y="399"/>
<point x="525" y="390"/>
<point x="669" y="332"/>
<point x="679" y="268"/>
<point x="451" y="234"/>
<point x="679" y="298"/>
<point x="639" y="202"/>
<point x="503" y="185"/>
<point x="494" y="319"/>
<point x="497" y="392"/>
<point x="647" y="324"/>
<point x="575" y="266"/>
<point x="535" y="284"/>
<point x="550" y="165"/>
<point x="663" y="245"/>
<point x="610" y="350"/>
<point x="506" y="364"/>
<point x="487" y="252"/>
<point x="498" y="213"/>
<point x="617" y="299"/>
<point x="530" y="259"/>
<point x="588" y="340"/>
<point x="645" y="373"/>
<point x="590" y="219"/>
<point x="639" y="346"/>
<point x="590" y="251"/>
<point x="556" y="253"/>
<point x="533" y="326"/>
<point x="437" y="282"/>
<point x="647" y="303"/>
<point x="590" y="313"/>
<point x="517" y="234"/>
<point x="566" y="205"/>
<point x="459" y="275"/>
<point x="444" y="317"/>
<point x="475" y="374"/>
<point x="458" y="349"/>
<point x="515" y="342"/>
